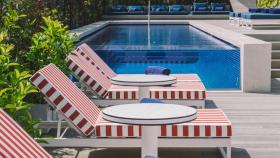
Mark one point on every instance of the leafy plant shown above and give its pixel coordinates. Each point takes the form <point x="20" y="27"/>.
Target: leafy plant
<point x="50" y="46"/>
<point x="14" y="87"/>
<point x="268" y="3"/>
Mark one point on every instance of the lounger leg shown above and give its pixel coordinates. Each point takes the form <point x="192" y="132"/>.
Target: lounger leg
<point x="225" y="152"/>
<point x="59" y="126"/>
<point x="229" y="152"/>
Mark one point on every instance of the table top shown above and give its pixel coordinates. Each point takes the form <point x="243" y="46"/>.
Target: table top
<point x="149" y="114"/>
<point x="143" y="80"/>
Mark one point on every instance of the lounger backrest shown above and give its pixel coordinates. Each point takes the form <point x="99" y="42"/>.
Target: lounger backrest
<point x="87" y="53"/>
<point x="88" y="75"/>
<point x="68" y="99"/>
<point x="15" y="142"/>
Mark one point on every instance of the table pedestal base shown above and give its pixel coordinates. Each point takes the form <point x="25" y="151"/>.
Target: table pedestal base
<point x="144" y="92"/>
<point x="149" y="141"/>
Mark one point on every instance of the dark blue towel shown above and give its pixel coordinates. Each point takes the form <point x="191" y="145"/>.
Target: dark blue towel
<point x="157" y="70"/>
<point x="149" y="100"/>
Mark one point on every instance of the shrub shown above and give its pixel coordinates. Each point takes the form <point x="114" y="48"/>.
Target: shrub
<point x="14" y="87"/>
<point x="268" y="3"/>
<point x="50" y="46"/>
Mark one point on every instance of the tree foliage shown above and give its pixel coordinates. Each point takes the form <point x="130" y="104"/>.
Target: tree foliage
<point x="52" y="45"/>
<point x="268" y="3"/>
<point x="14" y="87"/>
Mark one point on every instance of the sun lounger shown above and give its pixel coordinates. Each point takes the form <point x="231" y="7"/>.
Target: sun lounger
<point x="200" y="9"/>
<point x="218" y="8"/>
<point x="84" y="51"/>
<point x="136" y="9"/>
<point x="15" y="142"/>
<point x="253" y="20"/>
<point x="212" y="128"/>
<point x="118" y="9"/>
<point x="186" y="93"/>
<point x="159" y="9"/>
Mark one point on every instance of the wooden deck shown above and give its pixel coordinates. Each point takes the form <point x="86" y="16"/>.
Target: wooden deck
<point x="256" y="129"/>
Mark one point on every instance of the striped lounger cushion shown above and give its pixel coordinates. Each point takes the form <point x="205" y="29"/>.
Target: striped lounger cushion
<point x="187" y="77"/>
<point x="15" y="142"/>
<point x="123" y="92"/>
<point x="209" y="123"/>
<point x="68" y="99"/>
<point x="180" y="90"/>
<point x="100" y="84"/>
<point x="88" y="55"/>
<point x="85" y="52"/>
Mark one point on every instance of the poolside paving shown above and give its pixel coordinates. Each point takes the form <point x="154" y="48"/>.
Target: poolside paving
<point x="256" y="129"/>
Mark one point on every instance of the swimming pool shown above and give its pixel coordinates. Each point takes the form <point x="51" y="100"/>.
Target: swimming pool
<point x="181" y="48"/>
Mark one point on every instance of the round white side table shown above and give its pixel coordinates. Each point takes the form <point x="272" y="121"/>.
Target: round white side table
<point x="150" y="116"/>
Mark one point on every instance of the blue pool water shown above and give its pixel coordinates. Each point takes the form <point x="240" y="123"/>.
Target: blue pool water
<point x="181" y="48"/>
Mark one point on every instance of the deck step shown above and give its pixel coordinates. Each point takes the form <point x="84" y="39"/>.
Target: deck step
<point x="275" y="54"/>
<point x="275" y="73"/>
<point x="275" y="45"/>
<point x="275" y="63"/>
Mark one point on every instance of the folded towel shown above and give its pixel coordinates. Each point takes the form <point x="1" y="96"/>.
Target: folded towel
<point x="157" y="70"/>
<point x="149" y="100"/>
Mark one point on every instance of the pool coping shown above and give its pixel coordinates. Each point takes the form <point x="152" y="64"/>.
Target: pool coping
<point x="255" y="54"/>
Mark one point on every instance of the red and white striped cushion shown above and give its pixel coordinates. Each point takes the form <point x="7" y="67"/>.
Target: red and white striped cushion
<point x="180" y="90"/>
<point x="68" y="99"/>
<point x="87" y="53"/>
<point x="187" y="77"/>
<point x="15" y="142"/>
<point x="90" y="76"/>
<point x="99" y="83"/>
<point x="123" y="92"/>
<point x="209" y="123"/>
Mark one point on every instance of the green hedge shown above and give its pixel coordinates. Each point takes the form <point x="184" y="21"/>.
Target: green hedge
<point x="268" y="3"/>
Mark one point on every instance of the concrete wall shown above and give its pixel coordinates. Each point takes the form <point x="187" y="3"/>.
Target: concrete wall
<point x="255" y="57"/>
<point x="237" y="6"/>
<point x="249" y="3"/>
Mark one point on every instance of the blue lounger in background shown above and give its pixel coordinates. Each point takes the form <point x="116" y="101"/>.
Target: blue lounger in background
<point x="218" y="8"/>
<point x="118" y="9"/>
<point x="200" y="9"/>
<point x="264" y="16"/>
<point x="177" y="9"/>
<point x="136" y="9"/>
<point x="274" y="10"/>
<point x="159" y="9"/>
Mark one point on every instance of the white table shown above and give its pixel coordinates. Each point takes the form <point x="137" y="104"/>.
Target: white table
<point x="150" y="116"/>
<point x="143" y="82"/>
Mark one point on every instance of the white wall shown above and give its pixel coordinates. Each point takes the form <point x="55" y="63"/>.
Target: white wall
<point x="255" y="57"/>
